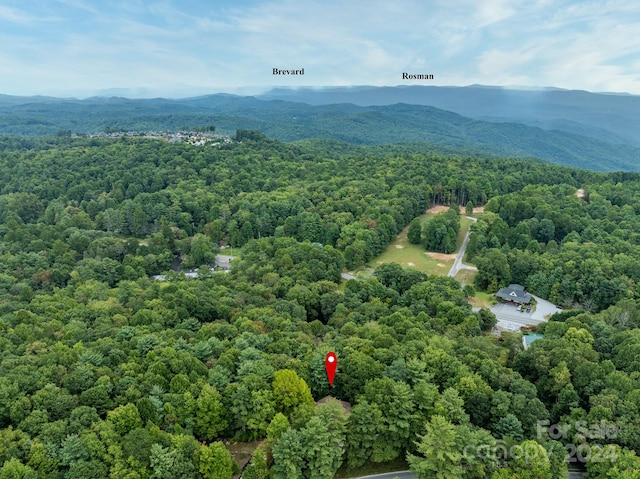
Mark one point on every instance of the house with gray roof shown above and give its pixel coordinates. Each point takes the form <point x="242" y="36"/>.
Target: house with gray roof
<point x="514" y="293"/>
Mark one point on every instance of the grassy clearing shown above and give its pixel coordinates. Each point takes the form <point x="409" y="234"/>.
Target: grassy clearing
<point x="483" y="299"/>
<point x="399" y="464"/>
<point x="465" y="277"/>
<point x="231" y="251"/>
<point x="413" y="255"/>
<point x="364" y="271"/>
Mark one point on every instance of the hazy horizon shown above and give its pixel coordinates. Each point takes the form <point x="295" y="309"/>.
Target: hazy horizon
<point x="143" y="93"/>
<point x="174" y="49"/>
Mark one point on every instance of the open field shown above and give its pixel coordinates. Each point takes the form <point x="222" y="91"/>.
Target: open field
<point x="465" y="277"/>
<point x="413" y="255"/>
<point x="482" y="299"/>
<point x="437" y="209"/>
<point x="478" y="210"/>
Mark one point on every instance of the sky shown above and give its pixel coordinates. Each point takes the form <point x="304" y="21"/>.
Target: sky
<point x="179" y="48"/>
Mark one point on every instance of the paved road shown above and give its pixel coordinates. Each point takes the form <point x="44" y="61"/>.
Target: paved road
<point x="392" y="475"/>
<point x="411" y="475"/>
<point x="457" y="264"/>
<point x="544" y="308"/>
<point x="511" y="319"/>
<point x="223" y="261"/>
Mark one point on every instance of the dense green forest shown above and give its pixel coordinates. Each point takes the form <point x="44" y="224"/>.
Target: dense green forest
<point x="441" y="232"/>
<point x="582" y="146"/>
<point x="577" y="251"/>
<point x="105" y="373"/>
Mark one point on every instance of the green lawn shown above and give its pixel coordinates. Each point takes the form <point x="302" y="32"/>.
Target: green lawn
<point x="465" y="277"/>
<point x="231" y="251"/>
<point x="465" y="223"/>
<point x="414" y="255"/>
<point x="483" y="299"/>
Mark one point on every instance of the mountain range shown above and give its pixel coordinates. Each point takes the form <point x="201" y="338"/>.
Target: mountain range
<point x="610" y="117"/>
<point x="576" y="128"/>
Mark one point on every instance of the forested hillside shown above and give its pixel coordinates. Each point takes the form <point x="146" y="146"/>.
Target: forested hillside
<point x="105" y="373"/>
<point x="611" y="117"/>
<point x="574" y="248"/>
<point x="290" y="121"/>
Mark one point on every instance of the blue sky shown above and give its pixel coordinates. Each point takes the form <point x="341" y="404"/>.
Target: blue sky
<point x="186" y="47"/>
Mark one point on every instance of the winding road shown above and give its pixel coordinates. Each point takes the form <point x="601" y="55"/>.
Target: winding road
<point x="411" y="475"/>
<point x="457" y="264"/>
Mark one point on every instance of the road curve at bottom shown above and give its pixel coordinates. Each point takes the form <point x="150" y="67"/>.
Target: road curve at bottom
<point x="411" y="475"/>
<point x="392" y="475"/>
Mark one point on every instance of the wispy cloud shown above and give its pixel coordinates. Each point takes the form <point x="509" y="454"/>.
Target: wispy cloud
<point x="78" y="45"/>
<point x="23" y="17"/>
<point x="80" y="5"/>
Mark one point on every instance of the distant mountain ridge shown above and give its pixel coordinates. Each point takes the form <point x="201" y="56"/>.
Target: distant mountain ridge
<point x="590" y="146"/>
<point x="610" y="117"/>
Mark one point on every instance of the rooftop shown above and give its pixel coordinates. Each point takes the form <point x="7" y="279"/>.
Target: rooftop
<point x="514" y="293"/>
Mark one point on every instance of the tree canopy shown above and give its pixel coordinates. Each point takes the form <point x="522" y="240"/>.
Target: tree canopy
<point x="105" y="372"/>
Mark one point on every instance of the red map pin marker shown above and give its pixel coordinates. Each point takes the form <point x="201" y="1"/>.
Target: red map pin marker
<point x="331" y="363"/>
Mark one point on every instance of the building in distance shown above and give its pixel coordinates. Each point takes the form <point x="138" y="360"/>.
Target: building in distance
<point x="514" y="293"/>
